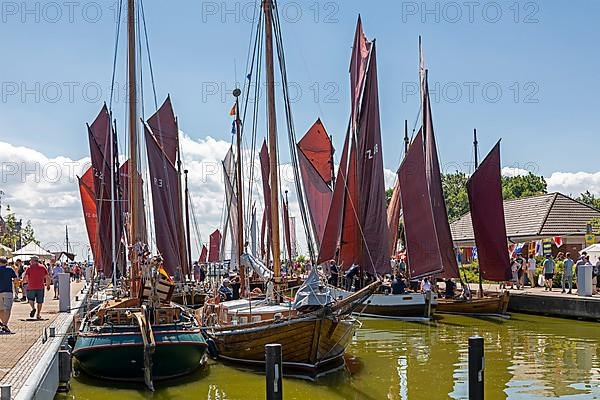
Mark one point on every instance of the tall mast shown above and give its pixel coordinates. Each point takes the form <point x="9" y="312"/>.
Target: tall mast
<point x="272" y="116"/>
<point x="406" y="139"/>
<point x="240" y="194"/>
<point x="187" y="222"/>
<point x="135" y="233"/>
<point x="476" y="151"/>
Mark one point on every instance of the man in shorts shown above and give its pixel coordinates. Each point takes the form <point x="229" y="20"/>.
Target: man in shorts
<point x="549" y="266"/>
<point x="36" y="277"/>
<point x="7" y="276"/>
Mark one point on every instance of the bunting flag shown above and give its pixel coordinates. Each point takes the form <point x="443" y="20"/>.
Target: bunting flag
<point x="518" y="249"/>
<point x="233" y="110"/>
<point x="233" y="130"/>
<point x="538" y="248"/>
<point x="557" y="241"/>
<point x="547" y="246"/>
<point x="474" y="253"/>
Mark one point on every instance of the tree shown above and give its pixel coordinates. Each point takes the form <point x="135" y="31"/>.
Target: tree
<point x="590" y="199"/>
<point x="28" y="234"/>
<point x="455" y="194"/>
<point x="516" y="187"/>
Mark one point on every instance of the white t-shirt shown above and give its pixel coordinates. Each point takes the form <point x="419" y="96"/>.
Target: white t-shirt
<point x="532" y="264"/>
<point x="426" y="286"/>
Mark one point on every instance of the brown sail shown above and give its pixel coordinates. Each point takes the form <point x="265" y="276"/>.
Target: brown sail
<point x="373" y="214"/>
<point x="214" y="246"/>
<point x="422" y="249"/>
<point x="393" y="217"/>
<point x="436" y="192"/>
<point x="166" y="201"/>
<point x="487" y="214"/>
<point x="100" y="139"/>
<point x="315" y="159"/>
<point x="90" y="216"/>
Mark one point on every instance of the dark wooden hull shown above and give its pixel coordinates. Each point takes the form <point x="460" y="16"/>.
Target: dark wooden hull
<point x="192" y="300"/>
<point x="308" y="343"/>
<point x="490" y="305"/>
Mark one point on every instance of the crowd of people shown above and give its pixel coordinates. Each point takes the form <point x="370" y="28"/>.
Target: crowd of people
<point x="524" y="272"/>
<point x="29" y="283"/>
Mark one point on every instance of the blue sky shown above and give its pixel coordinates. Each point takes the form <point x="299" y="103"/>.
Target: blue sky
<point x="548" y="50"/>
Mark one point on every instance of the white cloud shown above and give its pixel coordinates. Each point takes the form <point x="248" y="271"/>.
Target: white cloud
<point x="512" y="172"/>
<point x="574" y="183"/>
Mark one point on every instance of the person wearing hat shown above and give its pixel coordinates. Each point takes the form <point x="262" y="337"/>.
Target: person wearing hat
<point x="225" y="290"/>
<point x="7" y="275"/>
<point x="36" y="277"/>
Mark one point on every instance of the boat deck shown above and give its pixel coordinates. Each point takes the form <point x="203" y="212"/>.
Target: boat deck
<point x="23" y="351"/>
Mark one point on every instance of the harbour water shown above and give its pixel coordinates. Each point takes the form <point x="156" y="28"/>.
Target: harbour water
<point x="527" y="357"/>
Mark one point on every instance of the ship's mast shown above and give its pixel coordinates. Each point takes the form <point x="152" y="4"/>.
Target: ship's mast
<point x="240" y="194"/>
<point x="272" y="117"/>
<point x="135" y="234"/>
<point x="476" y="151"/>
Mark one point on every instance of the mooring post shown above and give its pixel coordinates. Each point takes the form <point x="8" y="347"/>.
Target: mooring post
<point x="476" y="367"/>
<point x="273" y="363"/>
<point x="5" y="392"/>
<point x="64" y="292"/>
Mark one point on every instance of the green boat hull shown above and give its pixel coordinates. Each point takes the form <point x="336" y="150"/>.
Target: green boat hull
<point x="120" y="355"/>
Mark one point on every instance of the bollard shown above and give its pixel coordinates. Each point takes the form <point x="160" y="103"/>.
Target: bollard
<point x="64" y="288"/>
<point x="476" y="367"/>
<point x="273" y="363"/>
<point x="52" y="331"/>
<point x="5" y="392"/>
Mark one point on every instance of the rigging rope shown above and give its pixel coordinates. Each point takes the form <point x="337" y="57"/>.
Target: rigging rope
<point x="291" y="133"/>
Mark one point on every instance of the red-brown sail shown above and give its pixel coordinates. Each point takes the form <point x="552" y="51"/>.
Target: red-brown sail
<point x="436" y="193"/>
<point x="422" y="249"/>
<point x="100" y="140"/>
<point x="350" y="243"/>
<point x="317" y="148"/>
<point x="164" y="127"/>
<point x="318" y="195"/>
<point x="214" y="246"/>
<point x="487" y="215"/>
<point x="333" y="226"/>
<point x="373" y="214"/>
<point x="358" y="67"/>
<point x="393" y="217"/>
<point x="203" y="255"/>
<point x="166" y="201"/>
<point x="90" y="217"/>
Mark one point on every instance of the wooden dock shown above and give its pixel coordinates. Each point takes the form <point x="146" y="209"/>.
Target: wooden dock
<point x="29" y="353"/>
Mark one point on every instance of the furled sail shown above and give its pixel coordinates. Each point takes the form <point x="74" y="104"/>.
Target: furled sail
<point x="422" y="249"/>
<point x="265" y="168"/>
<point x="231" y="200"/>
<point x="484" y="189"/>
<point x="436" y="193"/>
<point x="315" y="158"/>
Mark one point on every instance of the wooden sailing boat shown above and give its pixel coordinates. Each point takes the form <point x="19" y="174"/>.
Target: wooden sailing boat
<point x="484" y="189"/>
<point x="141" y="336"/>
<point x="356" y="230"/>
<point x="315" y="330"/>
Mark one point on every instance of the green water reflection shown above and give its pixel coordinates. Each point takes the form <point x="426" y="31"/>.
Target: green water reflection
<point x="527" y="357"/>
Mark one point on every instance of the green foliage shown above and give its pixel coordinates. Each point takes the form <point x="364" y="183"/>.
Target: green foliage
<point x="13" y="236"/>
<point x="455" y="193"/>
<point x="513" y="187"/>
<point x="516" y="187"/>
<point x="388" y="195"/>
<point x="301" y="259"/>
<point x="590" y="199"/>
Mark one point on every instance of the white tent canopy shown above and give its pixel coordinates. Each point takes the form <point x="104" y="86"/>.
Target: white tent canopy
<point x="593" y="251"/>
<point x="33" y="249"/>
